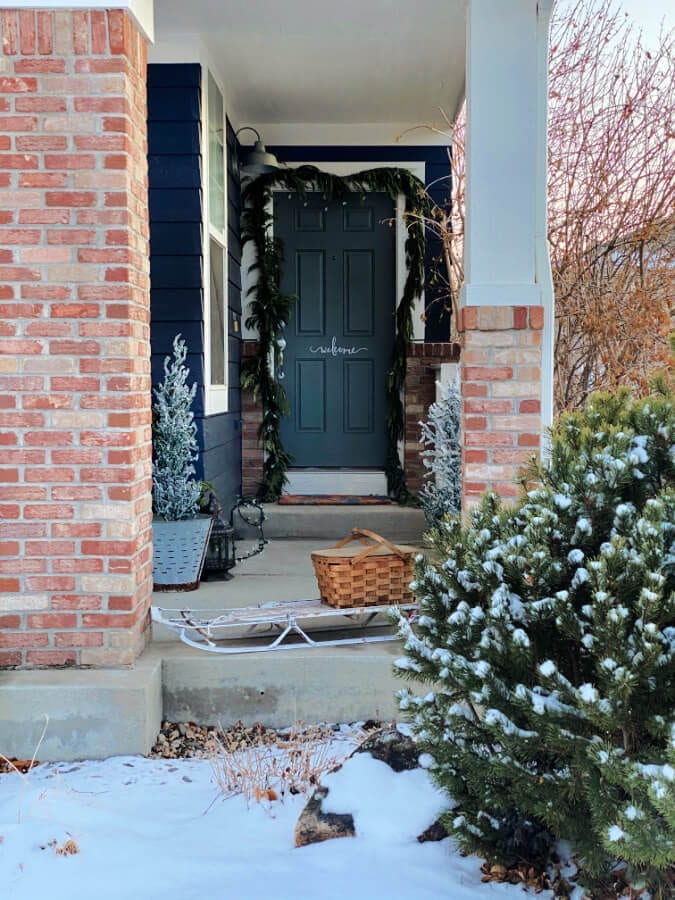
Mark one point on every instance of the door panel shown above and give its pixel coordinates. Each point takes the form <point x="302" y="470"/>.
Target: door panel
<point x="359" y="388"/>
<point x="339" y="259"/>
<point x="310" y="219"/>
<point x="310" y="395"/>
<point x="359" y="291"/>
<point x="359" y="219"/>
<point x="309" y="312"/>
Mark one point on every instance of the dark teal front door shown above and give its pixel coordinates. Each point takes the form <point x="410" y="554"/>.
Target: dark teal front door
<point x="339" y="260"/>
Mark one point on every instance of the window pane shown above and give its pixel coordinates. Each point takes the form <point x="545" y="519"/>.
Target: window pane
<point x="217" y="312"/>
<point x="216" y="156"/>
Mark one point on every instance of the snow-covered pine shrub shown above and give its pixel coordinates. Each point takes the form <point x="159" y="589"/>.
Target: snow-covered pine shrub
<point x="441" y="492"/>
<point x="546" y="642"/>
<point x="175" y="491"/>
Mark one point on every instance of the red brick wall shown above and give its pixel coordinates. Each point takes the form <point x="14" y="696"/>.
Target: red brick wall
<point x="75" y="442"/>
<point x="252" y="457"/>
<point x="501" y="396"/>
<point x="423" y="363"/>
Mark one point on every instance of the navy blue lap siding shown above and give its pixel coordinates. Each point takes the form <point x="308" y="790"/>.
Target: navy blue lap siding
<point x="177" y="265"/>
<point x="168" y="137"/>
<point x="180" y="104"/>
<point x="175" y="205"/>
<point x="177" y="171"/>
<point x="177" y="238"/>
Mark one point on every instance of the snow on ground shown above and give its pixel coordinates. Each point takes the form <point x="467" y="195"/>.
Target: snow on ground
<point x="153" y="828"/>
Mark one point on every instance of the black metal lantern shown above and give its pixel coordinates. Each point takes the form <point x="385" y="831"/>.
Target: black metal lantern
<point x="220" y="551"/>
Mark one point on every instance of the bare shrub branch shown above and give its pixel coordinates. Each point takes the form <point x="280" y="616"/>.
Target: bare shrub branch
<point x="611" y="192"/>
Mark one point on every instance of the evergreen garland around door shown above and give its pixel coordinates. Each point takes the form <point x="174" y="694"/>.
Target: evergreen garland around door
<point x="270" y="309"/>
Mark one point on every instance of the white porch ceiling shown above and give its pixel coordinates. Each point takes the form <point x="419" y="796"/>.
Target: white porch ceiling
<point x="353" y="61"/>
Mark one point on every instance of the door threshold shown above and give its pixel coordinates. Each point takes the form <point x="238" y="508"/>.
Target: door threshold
<point x="345" y="482"/>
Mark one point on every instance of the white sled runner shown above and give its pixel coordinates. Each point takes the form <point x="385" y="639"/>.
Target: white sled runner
<point x="252" y="629"/>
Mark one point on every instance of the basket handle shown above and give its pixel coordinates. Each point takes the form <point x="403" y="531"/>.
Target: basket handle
<point x="378" y="540"/>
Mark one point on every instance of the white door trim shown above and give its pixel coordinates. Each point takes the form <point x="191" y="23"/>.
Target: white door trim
<point x="351" y="482"/>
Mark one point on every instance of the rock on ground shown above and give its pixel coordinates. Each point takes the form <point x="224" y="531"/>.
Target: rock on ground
<point x="315" y="825"/>
<point x="397" y="750"/>
<point x="388" y="745"/>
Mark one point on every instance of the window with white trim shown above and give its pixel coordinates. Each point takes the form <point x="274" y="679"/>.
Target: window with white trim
<point x="215" y="252"/>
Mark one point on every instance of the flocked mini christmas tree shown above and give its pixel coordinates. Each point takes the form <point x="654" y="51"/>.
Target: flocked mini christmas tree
<point x="442" y="458"/>
<point x="175" y="490"/>
<point x="546" y="647"/>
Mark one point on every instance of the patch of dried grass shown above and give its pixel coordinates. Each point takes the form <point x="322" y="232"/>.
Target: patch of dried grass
<point x="23" y="771"/>
<point x="293" y="765"/>
<point x="68" y="848"/>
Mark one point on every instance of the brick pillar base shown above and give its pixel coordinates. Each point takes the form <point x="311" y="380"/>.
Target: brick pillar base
<point x="252" y="456"/>
<point x="501" y="396"/>
<point x="75" y="444"/>
<point x="422" y="364"/>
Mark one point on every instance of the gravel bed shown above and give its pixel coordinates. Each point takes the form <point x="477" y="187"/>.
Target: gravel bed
<point x="178" y="740"/>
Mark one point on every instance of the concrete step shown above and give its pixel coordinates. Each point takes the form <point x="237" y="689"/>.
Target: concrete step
<point x="98" y="713"/>
<point x="401" y="524"/>
<point x="327" y="684"/>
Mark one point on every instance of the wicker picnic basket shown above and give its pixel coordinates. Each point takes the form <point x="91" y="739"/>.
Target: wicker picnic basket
<point x="358" y="576"/>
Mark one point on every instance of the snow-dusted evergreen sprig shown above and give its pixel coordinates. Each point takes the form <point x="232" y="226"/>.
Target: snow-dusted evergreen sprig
<point x="441" y="492"/>
<point x="175" y="491"/>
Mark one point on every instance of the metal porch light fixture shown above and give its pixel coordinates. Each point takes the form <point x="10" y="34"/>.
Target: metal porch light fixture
<point x="259" y="161"/>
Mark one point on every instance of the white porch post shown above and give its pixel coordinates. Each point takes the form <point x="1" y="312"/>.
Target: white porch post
<point x="507" y="314"/>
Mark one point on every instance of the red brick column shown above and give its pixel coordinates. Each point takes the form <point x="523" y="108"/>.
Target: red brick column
<point x="501" y="396"/>
<point x="422" y="364"/>
<point x="252" y="455"/>
<point x="75" y="441"/>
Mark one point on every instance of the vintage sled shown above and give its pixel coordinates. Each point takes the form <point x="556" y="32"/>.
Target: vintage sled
<point x="252" y="629"/>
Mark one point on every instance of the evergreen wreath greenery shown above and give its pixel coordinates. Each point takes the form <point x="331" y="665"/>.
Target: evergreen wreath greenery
<point x="270" y="309"/>
<point x="175" y="491"/>
<point x="546" y="648"/>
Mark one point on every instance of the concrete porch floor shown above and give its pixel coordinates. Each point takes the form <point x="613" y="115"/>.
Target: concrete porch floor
<point x="99" y="713"/>
<point x="283" y="571"/>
